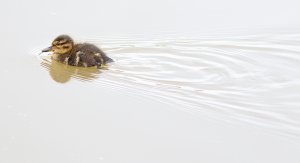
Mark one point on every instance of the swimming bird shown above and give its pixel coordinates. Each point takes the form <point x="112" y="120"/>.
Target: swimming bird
<point x="76" y="54"/>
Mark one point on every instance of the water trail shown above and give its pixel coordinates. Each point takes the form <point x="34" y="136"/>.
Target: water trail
<point x="254" y="79"/>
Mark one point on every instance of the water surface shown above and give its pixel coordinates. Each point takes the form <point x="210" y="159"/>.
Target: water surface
<point x="183" y="87"/>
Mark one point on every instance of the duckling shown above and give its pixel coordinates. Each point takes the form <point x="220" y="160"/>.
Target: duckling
<point x="81" y="54"/>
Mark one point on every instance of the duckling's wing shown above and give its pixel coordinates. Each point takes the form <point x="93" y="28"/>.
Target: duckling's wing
<point x="87" y="59"/>
<point x="80" y="58"/>
<point x="93" y="50"/>
<point x="88" y="55"/>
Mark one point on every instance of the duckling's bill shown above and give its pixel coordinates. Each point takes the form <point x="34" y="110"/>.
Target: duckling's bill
<point x="47" y="49"/>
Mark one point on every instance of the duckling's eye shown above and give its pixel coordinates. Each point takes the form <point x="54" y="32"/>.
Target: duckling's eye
<point x="65" y="47"/>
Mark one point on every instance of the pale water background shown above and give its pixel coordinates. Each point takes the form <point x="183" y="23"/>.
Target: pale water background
<point x="193" y="81"/>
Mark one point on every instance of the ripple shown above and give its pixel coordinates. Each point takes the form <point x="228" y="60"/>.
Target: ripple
<point x="253" y="79"/>
<point x="242" y="79"/>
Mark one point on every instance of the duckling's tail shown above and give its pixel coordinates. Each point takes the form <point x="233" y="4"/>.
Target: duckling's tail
<point x="108" y="60"/>
<point x="105" y="58"/>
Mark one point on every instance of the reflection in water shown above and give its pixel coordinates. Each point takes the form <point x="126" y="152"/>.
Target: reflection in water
<point x="62" y="73"/>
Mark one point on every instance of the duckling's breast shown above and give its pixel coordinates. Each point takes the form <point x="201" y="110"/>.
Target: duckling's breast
<point x="60" y="57"/>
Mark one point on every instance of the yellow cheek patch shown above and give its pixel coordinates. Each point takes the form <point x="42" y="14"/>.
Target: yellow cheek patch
<point x="54" y="43"/>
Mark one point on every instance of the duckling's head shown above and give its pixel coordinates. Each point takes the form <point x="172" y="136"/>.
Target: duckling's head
<point x="62" y="44"/>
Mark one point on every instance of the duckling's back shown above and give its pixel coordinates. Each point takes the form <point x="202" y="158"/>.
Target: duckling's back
<point x="87" y="55"/>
